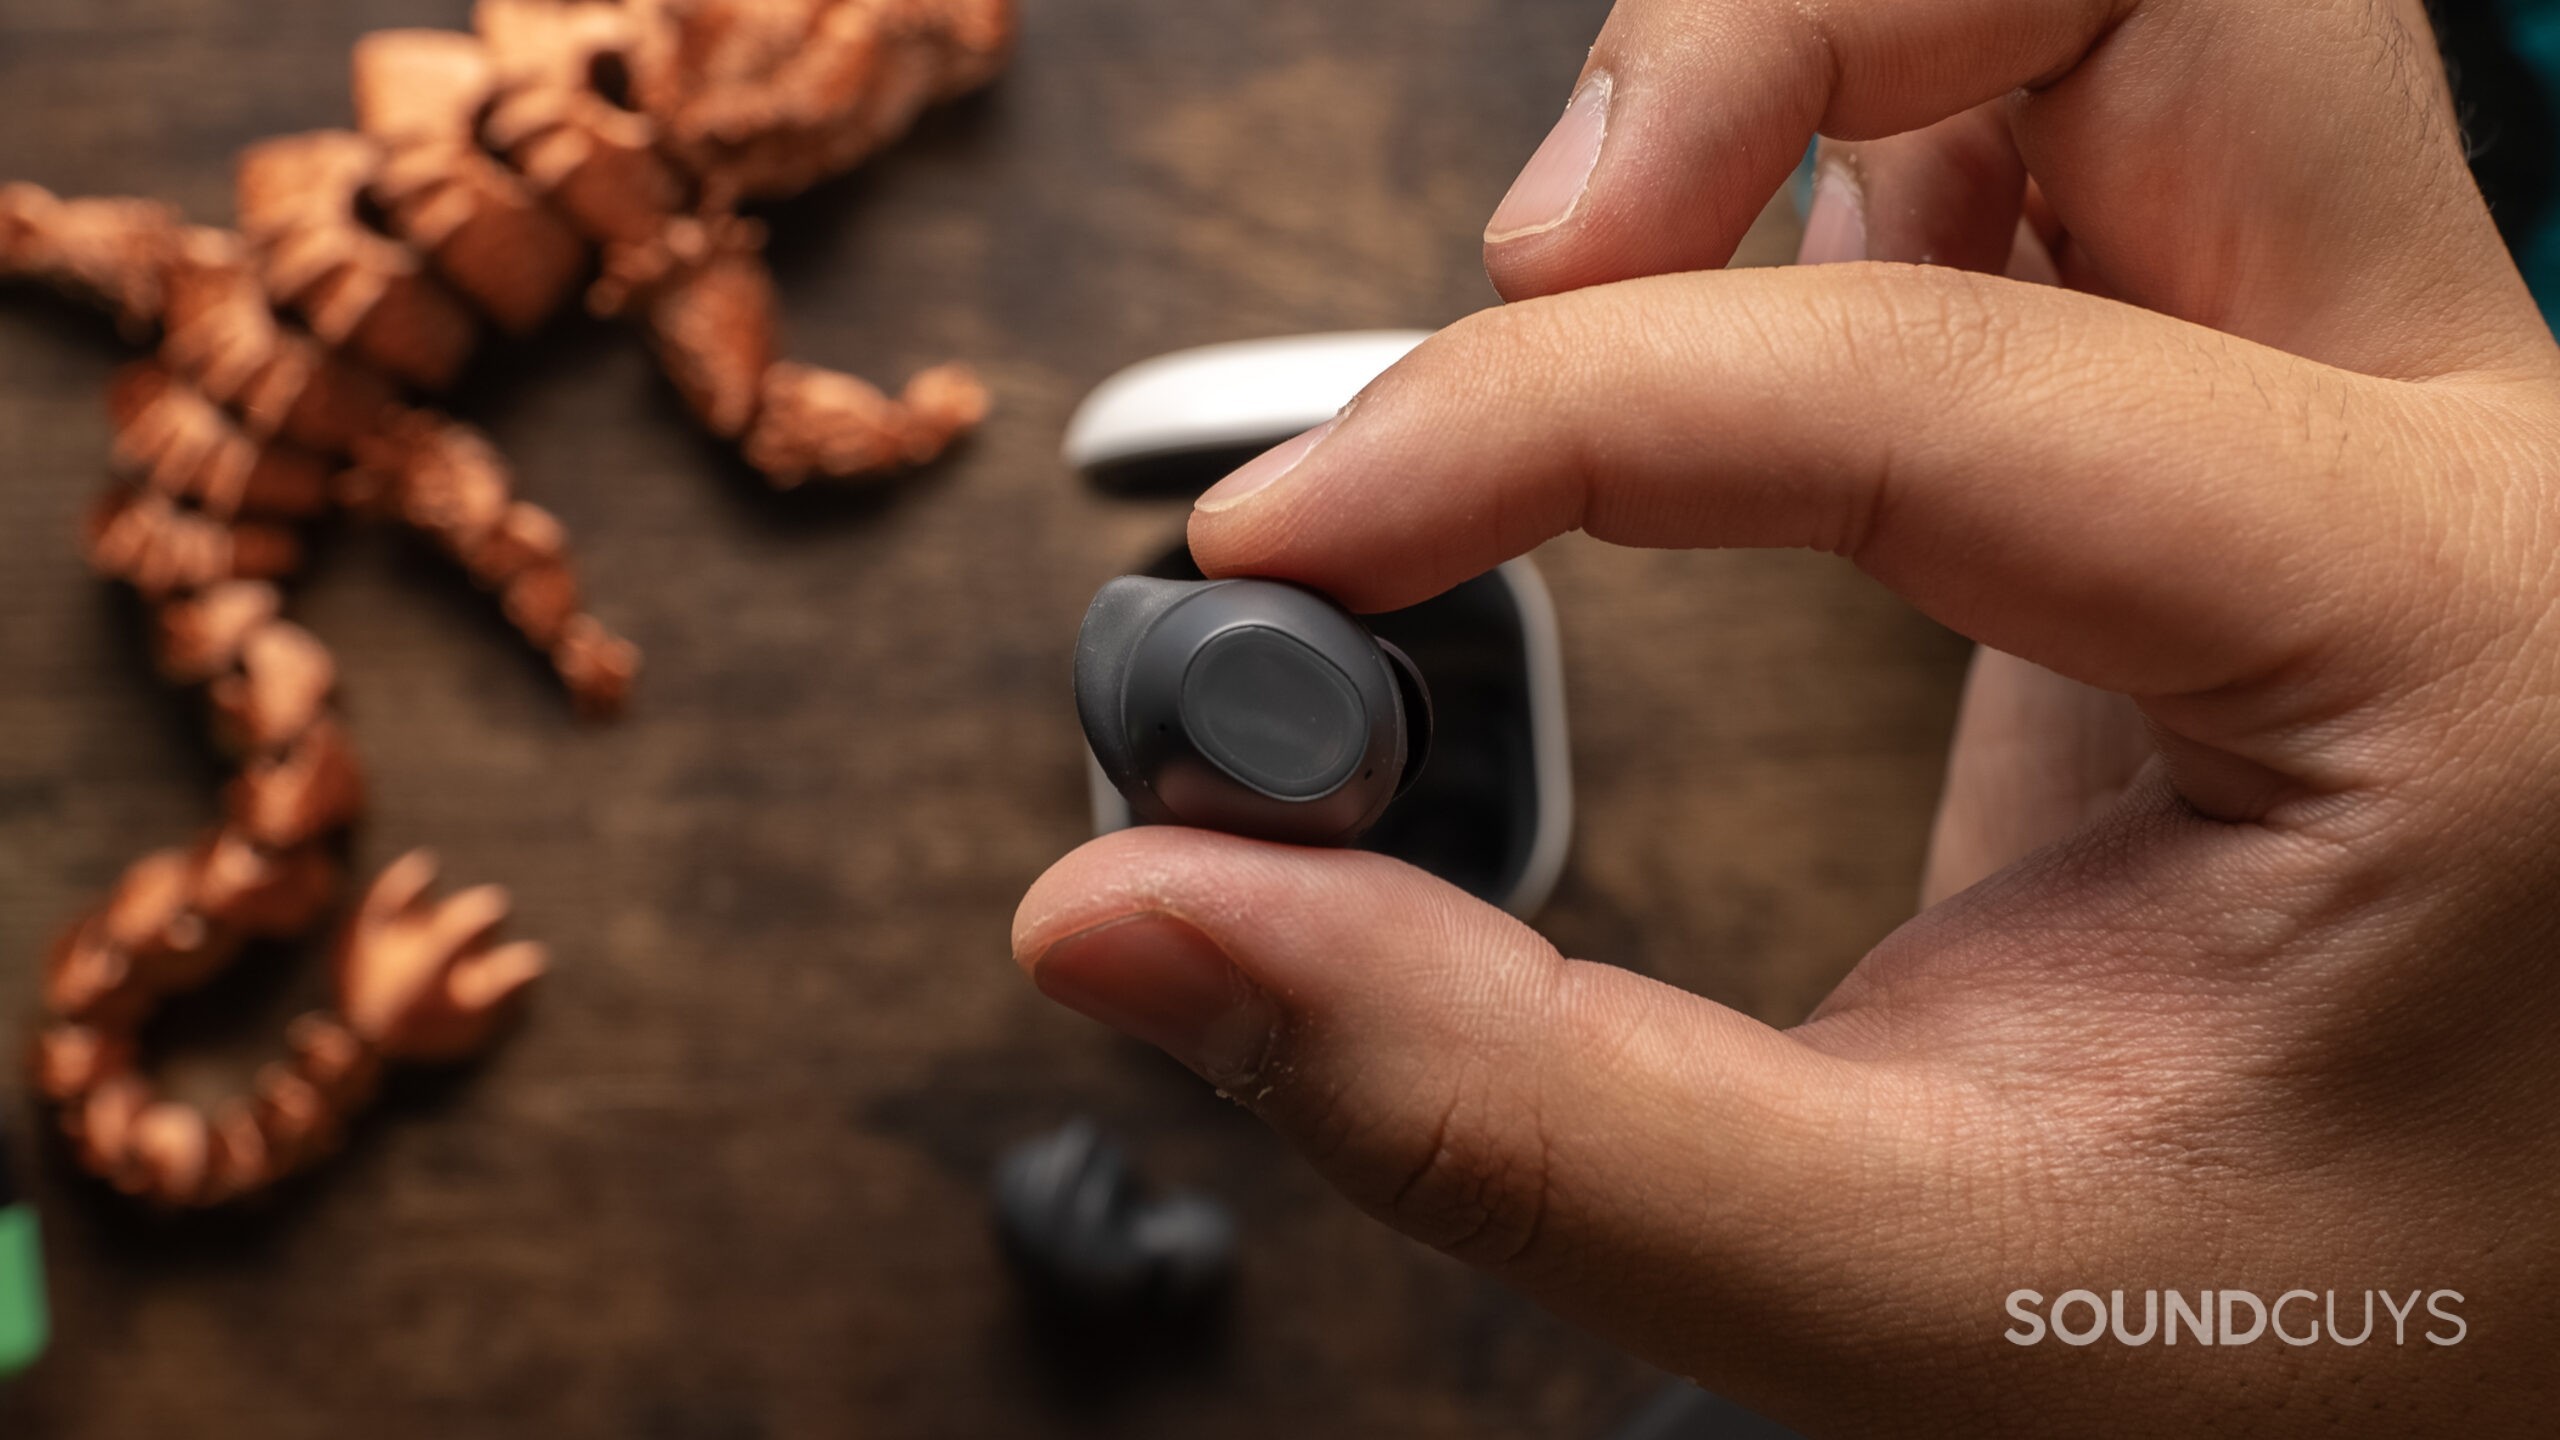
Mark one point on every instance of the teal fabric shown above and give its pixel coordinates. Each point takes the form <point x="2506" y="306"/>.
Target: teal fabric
<point x="2533" y="35"/>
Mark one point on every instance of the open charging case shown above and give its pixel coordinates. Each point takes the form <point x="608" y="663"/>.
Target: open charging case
<point x="1492" y="811"/>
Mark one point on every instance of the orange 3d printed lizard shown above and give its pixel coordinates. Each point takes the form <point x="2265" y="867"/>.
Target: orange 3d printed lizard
<point x="603" y="143"/>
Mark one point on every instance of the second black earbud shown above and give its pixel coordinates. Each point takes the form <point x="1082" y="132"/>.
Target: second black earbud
<point x="1250" y="706"/>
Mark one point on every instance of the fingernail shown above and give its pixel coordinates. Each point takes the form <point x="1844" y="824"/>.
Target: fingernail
<point x="1155" y="978"/>
<point x="1550" y="186"/>
<point x="1256" y="474"/>
<point x="1836" y="228"/>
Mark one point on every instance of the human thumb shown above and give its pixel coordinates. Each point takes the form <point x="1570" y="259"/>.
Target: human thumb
<point x="1637" y="1157"/>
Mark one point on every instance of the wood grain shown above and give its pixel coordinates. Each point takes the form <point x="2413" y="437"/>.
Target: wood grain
<point x="726" y="1181"/>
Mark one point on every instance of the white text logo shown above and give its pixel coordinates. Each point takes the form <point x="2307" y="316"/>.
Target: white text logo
<point x="2234" y="1317"/>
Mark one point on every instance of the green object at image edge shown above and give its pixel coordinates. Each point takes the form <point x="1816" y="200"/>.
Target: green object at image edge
<point x="22" y="1311"/>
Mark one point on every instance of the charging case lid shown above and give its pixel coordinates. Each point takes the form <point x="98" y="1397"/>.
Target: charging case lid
<point x="1176" y="423"/>
<point x="1492" y="811"/>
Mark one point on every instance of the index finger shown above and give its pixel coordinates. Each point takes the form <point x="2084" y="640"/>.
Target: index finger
<point x="2115" y="495"/>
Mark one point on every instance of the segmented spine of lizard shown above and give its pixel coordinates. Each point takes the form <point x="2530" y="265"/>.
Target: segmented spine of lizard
<point x="564" y="141"/>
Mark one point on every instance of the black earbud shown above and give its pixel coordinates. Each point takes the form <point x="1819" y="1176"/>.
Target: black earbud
<point x="1249" y="706"/>
<point x="1089" y="1238"/>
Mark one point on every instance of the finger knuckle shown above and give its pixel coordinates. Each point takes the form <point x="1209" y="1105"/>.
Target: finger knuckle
<point x="1475" y="1180"/>
<point x="1489" y="346"/>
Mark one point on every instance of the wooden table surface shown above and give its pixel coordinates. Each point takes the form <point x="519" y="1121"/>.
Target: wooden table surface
<point x="727" y="1180"/>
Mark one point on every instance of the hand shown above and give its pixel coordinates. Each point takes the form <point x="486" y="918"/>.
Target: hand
<point x="2276" y="466"/>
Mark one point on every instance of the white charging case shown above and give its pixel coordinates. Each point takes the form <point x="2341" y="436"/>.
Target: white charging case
<point x="1493" y="809"/>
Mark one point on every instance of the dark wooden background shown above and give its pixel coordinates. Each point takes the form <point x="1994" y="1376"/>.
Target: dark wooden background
<point x="726" y="1181"/>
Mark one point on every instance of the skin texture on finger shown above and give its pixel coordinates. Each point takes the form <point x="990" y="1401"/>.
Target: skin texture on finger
<point x="2288" y="173"/>
<point x="1948" y="194"/>
<point x="2322" y="206"/>
<point x="2165" y="541"/>
<point x="1683" y="1179"/>
<point x="2035" y="757"/>
<point x="2029" y="260"/>
<point x="1823" y="1237"/>
<point x="1711" y="106"/>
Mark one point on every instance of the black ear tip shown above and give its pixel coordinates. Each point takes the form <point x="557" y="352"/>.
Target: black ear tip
<point x="1123" y="608"/>
<point x="1106" y="644"/>
<point x="1417" y="713"/>
<point x="1090" y="1237"/>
